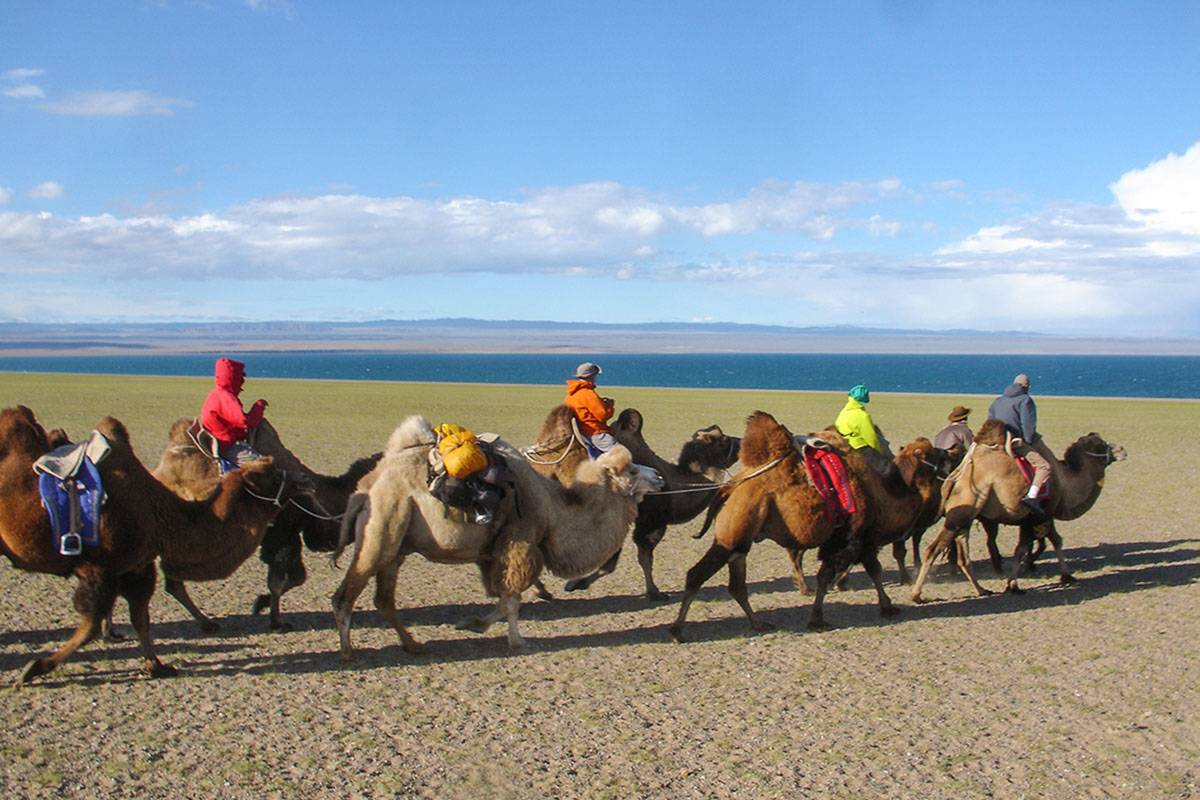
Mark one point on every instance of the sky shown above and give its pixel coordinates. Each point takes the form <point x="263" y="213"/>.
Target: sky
<point x="923" y="165"/>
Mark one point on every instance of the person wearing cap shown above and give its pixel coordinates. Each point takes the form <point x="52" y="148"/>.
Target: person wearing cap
<point x="592" y="410"/>
<point x="957" y="433"/>
<point x="854" y="423"/>
<point x="1016" y="409"/>
<point x="223" y="417"/>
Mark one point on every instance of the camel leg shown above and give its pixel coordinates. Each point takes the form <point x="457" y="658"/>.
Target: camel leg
<point x="935" y="548"/>
<point x="357" y="576"/>
<point x="870" y="562"/>
<point x="385" y="602"/>
<point x="992" y="529"/>
<point x="507" y="608"/>
<point x="964" y="562"/>
<point x="94" y="598"/>
<point x="737" y="588"/>
<point x="285" y="571"/>
<point x="708" y="565"/>
<point x="178" y="590"/>
<point x="1064" y="575"/>
<point x="1024" y="545"/>
<point x="579" y="584"/>
<point x="816" y="616"/>
<point x="645" y="549"/>
<point x="796" y="556"/>
<point x="137" y="588"/>
<point x="899" y="552"/>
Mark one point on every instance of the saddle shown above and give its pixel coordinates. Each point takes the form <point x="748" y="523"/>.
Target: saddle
<point x="827" y="474"/>
<point x="207" y="444"/>
<point x="467" y="474"/>
<point x="72" y="494"/>
<point x="1027" y="471"/>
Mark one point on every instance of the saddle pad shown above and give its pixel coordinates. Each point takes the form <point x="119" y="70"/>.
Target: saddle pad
<point x="74" y="507"/>
<point x="828" y="476"/>
<point x="1027" y="470"/>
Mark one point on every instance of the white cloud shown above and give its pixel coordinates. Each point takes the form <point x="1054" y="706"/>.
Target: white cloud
<point x="47" y="190"/>
<point x="1164" y="196"/>
<point x="16" y="84"/>
<point x="6" y="195"/>
<point x="133" y="103"/>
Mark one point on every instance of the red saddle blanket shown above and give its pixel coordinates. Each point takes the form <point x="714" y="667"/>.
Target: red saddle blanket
<point x="1027" y="471"/>
<point x="828" y="475"/>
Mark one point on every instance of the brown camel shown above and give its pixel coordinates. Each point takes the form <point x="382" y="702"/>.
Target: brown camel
<point x="312" y="523"/>
<point x="772" y="498"/>
<point x="688" y="489"/>
<point x="538" y="523"/>
<point x="989" y="487"/>
<point x="558" y="450"/>
<point x="141" y="520"/>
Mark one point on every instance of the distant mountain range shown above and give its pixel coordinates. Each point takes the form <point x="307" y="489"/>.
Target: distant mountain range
<point x="537" y="336"/>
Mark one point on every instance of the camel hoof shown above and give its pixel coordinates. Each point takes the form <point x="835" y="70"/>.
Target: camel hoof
<point x="348" y="659"/>
<point x="1013" y="589"/>
<point x="986" y="592"/>
<point x="113" y="635"/>
<point x="208" y="626"/>
<point x="261" y="603"/>
<point x="282" y="627"/>
<point x="676" y="632"/>
<point x="763" y="626"/>
<point x="916" y="598"/>
<point x="1067" y="577"/>
<point x="414" y="648"/>
<point x="819" y="626"/>
<point x="842" y="585"/>
<point x="576" y="585"/>
<point x="544" y="594"/>
<point x="157" y="669"/>
<point x="657" y="594"/>
<point x="890" y="611"/>
<point x="519" y="648"/>
<point x="32" y="670"/>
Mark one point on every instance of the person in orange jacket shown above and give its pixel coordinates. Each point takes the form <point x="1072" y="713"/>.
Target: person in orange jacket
<point x="592" y="410"/>
<point x="222" y="414"/>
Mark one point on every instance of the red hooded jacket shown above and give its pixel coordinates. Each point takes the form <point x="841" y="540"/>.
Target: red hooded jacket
<point x="222" y="414"/>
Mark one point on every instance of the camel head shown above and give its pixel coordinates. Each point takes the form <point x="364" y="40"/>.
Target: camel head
<point x="265" y="481"/>
<point x="710" y="448"/>
<point x="616" y="469"/>
<point x="1093" y="447"/>
<point x="920" y="452"/>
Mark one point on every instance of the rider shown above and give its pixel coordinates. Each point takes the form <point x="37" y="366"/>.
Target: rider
<point x="1016" y="409"/>
<point x="957" y="433"/>
<point x="855" y="424"/>
<point x="222" y="414"/>
<point x="592" y="410"/>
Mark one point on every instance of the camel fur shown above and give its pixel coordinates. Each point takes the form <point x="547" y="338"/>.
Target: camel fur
<point x="989" y="486"/>
<point x="193" y="474"/>
<point x="538" y="525"/>
<point x="141" y="520"/>
<point x="688" y="488"/>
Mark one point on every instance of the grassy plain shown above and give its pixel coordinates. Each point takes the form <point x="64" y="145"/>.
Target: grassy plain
<point x="1081" y="691"/>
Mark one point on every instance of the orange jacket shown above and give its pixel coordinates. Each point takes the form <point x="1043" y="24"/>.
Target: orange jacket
<point x="590" y="409"/>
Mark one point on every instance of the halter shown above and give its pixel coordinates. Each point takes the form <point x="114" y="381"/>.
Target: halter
<point x="274" y="501"/>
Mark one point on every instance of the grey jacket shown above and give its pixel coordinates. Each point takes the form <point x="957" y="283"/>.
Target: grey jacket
<point x="1016" y="409"/>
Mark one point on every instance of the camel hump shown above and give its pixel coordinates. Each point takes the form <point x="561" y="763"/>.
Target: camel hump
<point x="114" y="430"/>
<point x="630" y="420"/>
<point x="413" y="431"/>
<point x="992" y="433"/>
<point x="179" y="431"/>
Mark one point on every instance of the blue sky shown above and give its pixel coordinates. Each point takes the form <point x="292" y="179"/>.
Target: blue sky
<point x="933" y="165"/>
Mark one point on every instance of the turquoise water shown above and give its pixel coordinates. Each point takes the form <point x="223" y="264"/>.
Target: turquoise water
<point x="1103" y="376"/>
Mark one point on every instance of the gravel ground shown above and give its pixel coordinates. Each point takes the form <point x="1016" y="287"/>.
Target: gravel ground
<point x="1087" y="691"/>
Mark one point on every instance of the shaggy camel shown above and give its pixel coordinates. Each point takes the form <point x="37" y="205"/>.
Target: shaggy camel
<point x="141" y="520"/>
<point x="776" y="500"/>
<point x="989" y="487"/>
<point x="193" y="474"/>
<point x="772" y="498"/>
<point x="558" y="450"/>
<point x="688" y="489"/>
<point x="538" y="523"/>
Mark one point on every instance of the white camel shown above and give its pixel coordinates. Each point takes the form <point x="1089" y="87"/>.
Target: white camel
<point x="539" y="524"/>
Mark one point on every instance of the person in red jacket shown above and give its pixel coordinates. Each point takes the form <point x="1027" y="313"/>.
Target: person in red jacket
<point x="592" y="410"/>
<point x="222" y="414"/>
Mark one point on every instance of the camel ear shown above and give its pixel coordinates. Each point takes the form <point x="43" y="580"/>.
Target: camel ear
<point x="907" y="465"/>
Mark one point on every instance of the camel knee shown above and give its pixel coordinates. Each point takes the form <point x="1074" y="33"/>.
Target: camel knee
<point x="708" y="565"/>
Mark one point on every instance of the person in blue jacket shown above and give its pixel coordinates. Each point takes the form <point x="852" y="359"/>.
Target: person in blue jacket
<point x="1016" y="409"/>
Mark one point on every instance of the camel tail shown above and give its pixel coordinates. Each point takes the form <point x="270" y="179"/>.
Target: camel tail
<point x="358" y="509"/>
<point x="714" y="508"/>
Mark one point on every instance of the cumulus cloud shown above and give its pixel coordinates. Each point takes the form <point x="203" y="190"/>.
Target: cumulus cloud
<point x="47" y="190"/>
<point x="17" y="84"/>
<point x="132" y="103"/>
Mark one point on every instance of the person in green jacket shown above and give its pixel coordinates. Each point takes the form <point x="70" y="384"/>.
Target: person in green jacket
<point x="856" y="425"/>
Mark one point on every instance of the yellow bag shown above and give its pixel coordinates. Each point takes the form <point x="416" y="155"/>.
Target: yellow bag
<point x="460" y="451"/>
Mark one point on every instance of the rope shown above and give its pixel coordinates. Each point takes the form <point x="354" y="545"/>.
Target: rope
<point x="536" y="448"/>
<point x="279" y="494"/>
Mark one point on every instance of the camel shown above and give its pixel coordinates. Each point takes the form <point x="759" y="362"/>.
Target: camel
<point x="192" y="474"/>
<point x="776" y="500"/>
<point x="689" y="486"/>
<point x="141" y="520"/>
<point x="558" y="450"/>
<point x="538" y="524"/>
<point x="989" y="486"/>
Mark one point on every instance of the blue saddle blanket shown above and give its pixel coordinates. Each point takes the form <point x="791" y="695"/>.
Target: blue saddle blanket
<point x="72" y="493"/>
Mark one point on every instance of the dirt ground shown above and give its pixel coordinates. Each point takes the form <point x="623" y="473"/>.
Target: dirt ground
<point x="1081" y="691"/>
